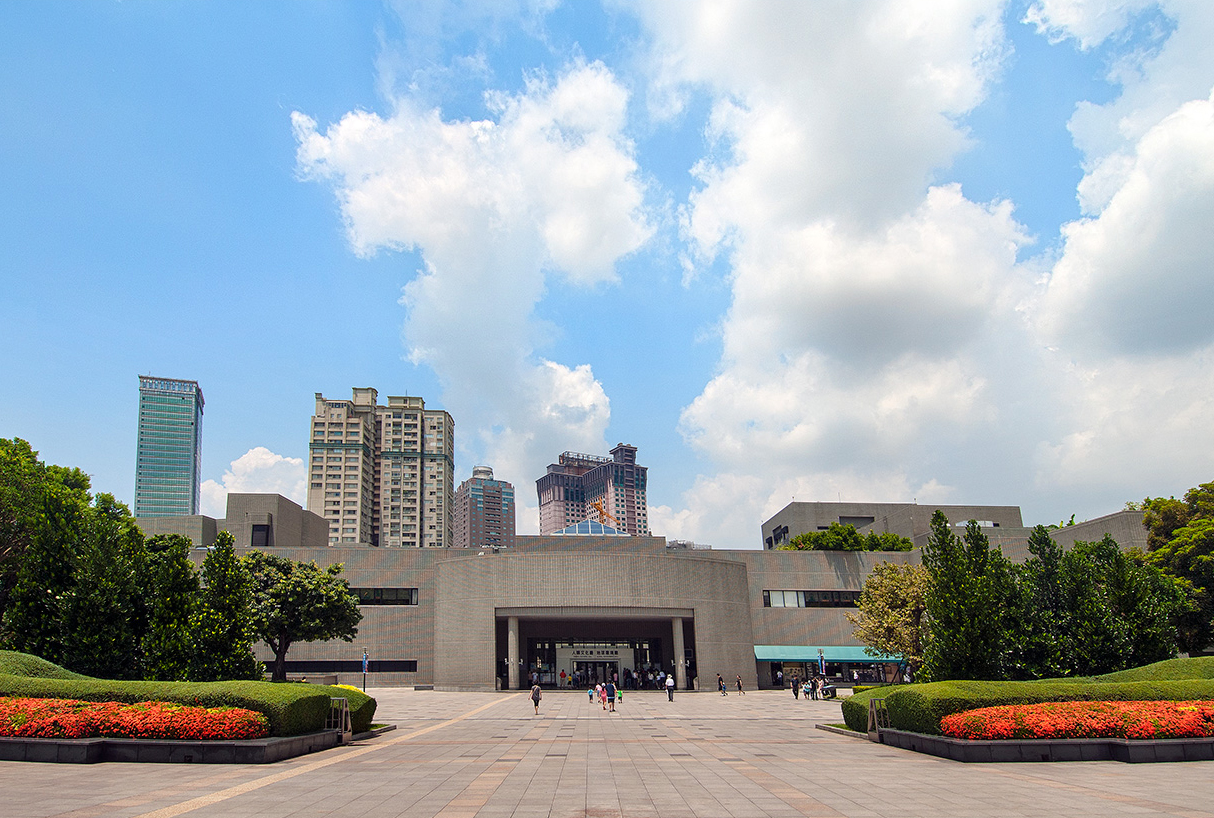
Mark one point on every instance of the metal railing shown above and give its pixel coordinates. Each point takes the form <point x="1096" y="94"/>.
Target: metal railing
<point x="339" y="719"/>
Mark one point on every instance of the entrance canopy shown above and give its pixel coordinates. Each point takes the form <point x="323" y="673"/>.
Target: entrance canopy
<point x="809" y="653"/>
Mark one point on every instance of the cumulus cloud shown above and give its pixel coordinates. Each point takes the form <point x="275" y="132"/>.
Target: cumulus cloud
<point x="862" y="293"/>
<point x="1136" y="277"/>
<point x="549" y="187"/>
<point x="257" y="471"/>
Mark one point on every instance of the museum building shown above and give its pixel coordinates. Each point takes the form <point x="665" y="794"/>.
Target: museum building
<point x="593" y="605"/>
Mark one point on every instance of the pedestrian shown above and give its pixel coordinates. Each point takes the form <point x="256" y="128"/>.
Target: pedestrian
<point x="590" y="694"/>
<point x="780" y="680"/>
<point x="807" y="689"/>
<point x="536" y="695"/>
<point x="603" y="695"/>
<point x="670" y="688"/>
<point x="813" y="688"/>
<point x="562" y="678"/>
<point x="796" y="687"/>
<point x="721" y="685"/>
<point x="610" y="691"/>
<point x="740" y="690"/>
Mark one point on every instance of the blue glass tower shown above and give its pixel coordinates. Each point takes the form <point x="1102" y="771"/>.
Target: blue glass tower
<point x="169" y="451"/>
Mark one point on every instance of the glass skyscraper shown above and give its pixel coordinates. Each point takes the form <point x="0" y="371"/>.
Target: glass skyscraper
<point x="169" y="452"/>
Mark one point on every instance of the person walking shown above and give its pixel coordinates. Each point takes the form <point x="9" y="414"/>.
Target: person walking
<point x="813" y="688"/>
<point x="740" y="690"/>
<point x="796" y="687"/>
<point x="610" y="697"/>
<point x="721" y="685"/>
<point x="536" y="695"/>
<point x="670" y="688"/>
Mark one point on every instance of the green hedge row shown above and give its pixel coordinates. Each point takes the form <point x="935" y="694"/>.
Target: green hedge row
<point x="23" y="664"/>
<point x="919" y="708"/>
<point x="1198" y="667"/>
<point x="291" y="709"/>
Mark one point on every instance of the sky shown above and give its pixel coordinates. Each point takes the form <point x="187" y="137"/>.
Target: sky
<point x="944" y="252"/>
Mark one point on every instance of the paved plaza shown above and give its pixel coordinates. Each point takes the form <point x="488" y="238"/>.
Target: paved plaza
<point x="488" y="755"/>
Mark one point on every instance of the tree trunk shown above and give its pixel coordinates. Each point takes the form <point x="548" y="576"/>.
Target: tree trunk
<point x="280" y="660"/>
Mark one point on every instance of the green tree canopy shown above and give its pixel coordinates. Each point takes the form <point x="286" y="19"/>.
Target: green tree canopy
<point x="891" y="617"/>
<point x="967" y="603"/>
<point x="223" y="624"/>
<point x="1180" y="540"/>
<point x="172" y="597"/>
<point x="299" y="602"/>
<point x="840" y="537"/>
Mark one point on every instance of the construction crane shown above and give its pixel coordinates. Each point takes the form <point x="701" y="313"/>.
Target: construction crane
<point x="604" y="514"/>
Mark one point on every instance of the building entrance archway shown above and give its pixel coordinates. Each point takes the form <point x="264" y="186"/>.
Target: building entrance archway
<point x="627" y="650"/>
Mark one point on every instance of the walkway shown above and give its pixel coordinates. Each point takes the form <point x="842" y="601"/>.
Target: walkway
<point x="488" y="755"/>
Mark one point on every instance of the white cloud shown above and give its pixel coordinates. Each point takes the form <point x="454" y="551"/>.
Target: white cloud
<point x="1137" y="277"/>
<point x="495" y="207"/>
<point x="257" y="471"/>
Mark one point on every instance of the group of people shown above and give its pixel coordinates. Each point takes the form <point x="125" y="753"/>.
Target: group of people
<point x="643" y="678"/>
<point x="813" y="687"/>
<point x="721" y="685"/>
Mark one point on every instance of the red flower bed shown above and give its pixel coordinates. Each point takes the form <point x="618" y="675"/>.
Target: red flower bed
<point x="68" y="718"/>
<point x="1134" y="720"/>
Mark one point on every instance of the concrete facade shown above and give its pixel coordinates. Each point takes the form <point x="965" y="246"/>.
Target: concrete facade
<point x="909" y="520"/>
<point x="482" y="619"/>
<point x="254" y="520"/>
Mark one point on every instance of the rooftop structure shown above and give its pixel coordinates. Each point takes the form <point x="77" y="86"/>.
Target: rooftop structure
<point x="608" y="490"/>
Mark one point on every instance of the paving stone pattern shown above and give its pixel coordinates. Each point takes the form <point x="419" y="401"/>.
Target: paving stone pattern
<point x="485" y="754"/>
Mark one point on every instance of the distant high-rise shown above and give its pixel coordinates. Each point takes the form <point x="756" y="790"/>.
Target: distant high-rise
<point x="578" y="484"/>
<point x="169" y="448"/>
<point x="484" y="511"/>
<point x="382" y="475"/>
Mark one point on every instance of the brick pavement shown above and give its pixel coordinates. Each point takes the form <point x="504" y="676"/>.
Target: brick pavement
<point x="486" y="754"/>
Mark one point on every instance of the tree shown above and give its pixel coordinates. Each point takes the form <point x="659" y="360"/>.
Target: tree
<point x="299" y="602"/>
<point x="839" y="537"/>
<point x="105" y="612"/>
<point x="891" y="617"/>
<point x="966" y="604"/>
<point x="1180" y="540"/>
<point x="1044" y="645"/>
<point x="172" y="597"/>
<point x="43" y="511"/>
<point x="223" y="625"/>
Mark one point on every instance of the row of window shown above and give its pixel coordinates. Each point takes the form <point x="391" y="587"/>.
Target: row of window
<point x="811" y="599"/>
<point x="385" y="596"/>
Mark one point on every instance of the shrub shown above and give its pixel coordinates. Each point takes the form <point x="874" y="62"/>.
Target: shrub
<point x="362" y="706"/>
<point x="24" y="664"/>
<point x="919" y="708"/>
<point x="290" y="709"/>
<point x="855" y="707"/>
<point x="1198" y="667"/>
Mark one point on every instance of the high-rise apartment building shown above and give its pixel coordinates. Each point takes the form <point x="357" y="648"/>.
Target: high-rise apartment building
<point x="169" y="449"/>
<point x="577" y="485"/>
<point x="382" y="475"/>
<point x="484" y="511"/>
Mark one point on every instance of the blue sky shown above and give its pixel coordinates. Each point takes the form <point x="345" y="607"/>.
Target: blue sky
<point x="865" y="251"/>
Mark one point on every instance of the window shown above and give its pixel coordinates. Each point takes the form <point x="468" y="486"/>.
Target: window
<point x="810" y="599"/>
<point x="385" y="596"/>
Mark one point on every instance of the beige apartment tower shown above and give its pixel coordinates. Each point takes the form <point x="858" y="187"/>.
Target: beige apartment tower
<point x="382" y="474"/>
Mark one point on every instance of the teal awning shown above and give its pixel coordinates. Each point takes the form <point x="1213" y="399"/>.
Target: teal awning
<point x="833" y="653"/>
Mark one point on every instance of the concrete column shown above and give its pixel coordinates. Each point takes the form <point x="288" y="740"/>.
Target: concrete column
<point x="512" y="652"/>
<point x="680" y="660"/>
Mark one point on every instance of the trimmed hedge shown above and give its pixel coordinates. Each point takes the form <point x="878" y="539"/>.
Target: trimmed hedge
<point x="362" y="706"/>
<point x="24" y="664"/>
<point x="292" y="709"/>
<point x="1198" y="667"/>
<point x="919" y="708"/>
<point x="855" y="706"/>
<point x="925" y="704"/>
